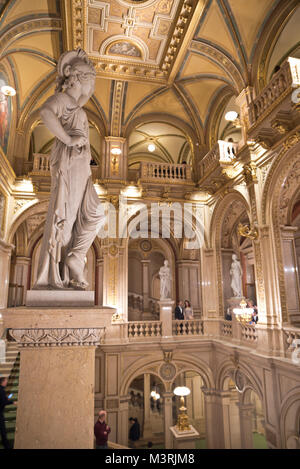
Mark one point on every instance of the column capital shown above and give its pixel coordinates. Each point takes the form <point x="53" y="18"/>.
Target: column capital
<point x="6" y="247"/>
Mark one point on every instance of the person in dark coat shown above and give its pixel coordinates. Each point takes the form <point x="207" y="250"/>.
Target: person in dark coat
<point x="134" y="432"/>
<point x="101" y="431"/>
<point x="179" y="311"/>
<point x="4" y="401"/>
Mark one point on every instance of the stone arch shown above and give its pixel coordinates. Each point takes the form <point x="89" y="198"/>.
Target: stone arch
<point x="290" y="420"/>
<point x="271" y="31"/>
<point x="280" y="193"/>
<point x="227" y="368"/>
<point x="167" y="119"/>
<point x="215" y="231"/>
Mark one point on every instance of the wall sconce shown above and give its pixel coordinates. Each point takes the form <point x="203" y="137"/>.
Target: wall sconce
<point x="116" y="151"/>
<point x="247" y="232"/>
<point x="182" y="420"/>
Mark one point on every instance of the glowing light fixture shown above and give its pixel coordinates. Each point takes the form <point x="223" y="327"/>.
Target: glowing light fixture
<point x="155" y="395"/>
<point x="151" y="147"/>
<point x="116" y="151"/>
<point x="8" y="90"/>
<point x="231" y="116"/>
<point x="182" y="420"/>
<point x="243" y="314"/>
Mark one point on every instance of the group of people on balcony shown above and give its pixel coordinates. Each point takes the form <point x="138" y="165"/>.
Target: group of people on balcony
<point x="184" y="311"/>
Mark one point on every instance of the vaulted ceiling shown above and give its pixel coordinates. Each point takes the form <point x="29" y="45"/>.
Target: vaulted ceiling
<point x="171" y="62"/>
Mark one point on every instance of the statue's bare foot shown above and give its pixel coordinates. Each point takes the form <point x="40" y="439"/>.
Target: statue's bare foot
<point x="76" y="266"/>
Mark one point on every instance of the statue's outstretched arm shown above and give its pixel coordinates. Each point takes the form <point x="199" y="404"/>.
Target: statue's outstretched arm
<point x="49" y="117"/>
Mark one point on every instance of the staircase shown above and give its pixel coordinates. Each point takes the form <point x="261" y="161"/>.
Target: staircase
<point x="11" y="370"/>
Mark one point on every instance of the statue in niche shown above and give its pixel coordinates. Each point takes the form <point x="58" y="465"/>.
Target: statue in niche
<point x="165" y="281"/>
<point x="236" y="276"/>
<point x="74" y="214"/>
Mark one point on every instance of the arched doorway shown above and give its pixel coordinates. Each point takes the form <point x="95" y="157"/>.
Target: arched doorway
<point x="146" y="407"/>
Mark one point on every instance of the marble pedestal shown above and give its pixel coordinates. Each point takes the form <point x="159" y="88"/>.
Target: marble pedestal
<point x="60" y="298"/>
<point x="57" y="373"/>
<point x="166" y="316"/>
<point x="184" y="440"/>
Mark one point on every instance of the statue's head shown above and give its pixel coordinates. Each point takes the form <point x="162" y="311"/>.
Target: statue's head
<point x="234" y="257"/>
<point x="166" y="263"/>
<point x="75" y="69"/>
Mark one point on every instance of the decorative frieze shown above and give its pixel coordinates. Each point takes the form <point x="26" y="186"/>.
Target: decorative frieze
<point x="57" y="337"/>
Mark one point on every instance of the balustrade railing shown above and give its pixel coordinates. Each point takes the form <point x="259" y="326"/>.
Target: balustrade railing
<point x="189" y="327"/>
<point x="165" y="171"/>
<point x="221" y="152"/>
<point x="226" y="328"/>
<point x="287" y="78"/>
<point x="41" y="163"/>
<point x="144" y="329"/>
<point x="248" y="333"/>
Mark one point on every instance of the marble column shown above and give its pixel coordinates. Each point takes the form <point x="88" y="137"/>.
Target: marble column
<point x="168" y="419"/>
<point x="189" y="287"/>
<point x="57" y="375"/>
<point x="246" y="416"/>
<point x="115" y="277"/>
<point x="270" y="338"/>
<point x="99" y="278"/>
<point x="213" y="419"/>
<point x="291" y="277"/>
<point x="232" y="438"/>
<point x="122" y="438"/>
<point x="210" y="293"/>
<point x="19" y="277"/>
<point x="5" y="257"/>
<point x="146" y="283"/>
<point x="147" y="431"/>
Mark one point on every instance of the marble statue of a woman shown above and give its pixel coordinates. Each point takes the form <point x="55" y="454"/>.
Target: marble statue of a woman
<point x="236" y="276"/>
<point x="165" y="281"/>
<point x="74" y="213"/>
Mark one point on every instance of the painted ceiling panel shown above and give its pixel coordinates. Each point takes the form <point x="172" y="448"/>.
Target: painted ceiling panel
<point x="215" y="30"/>
<point x="47" y="43"/>
<point x="136" y="92"/>
<point x="197" y="64"/>
<point x="165" y="103"/>
<point x="202" y="93"/>
<point x="102" y="93"/>
<point x="31" y="7"/>
<point x="250" y="19"/>
<point x="25" y="64"/>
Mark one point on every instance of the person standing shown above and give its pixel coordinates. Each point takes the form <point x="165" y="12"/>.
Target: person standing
<point x="4" y="401"/>
<point x="179" y="311"/>
<point x="135" y="431"/>
<point x="101" y="431"/>
<point x="188" y="310"/>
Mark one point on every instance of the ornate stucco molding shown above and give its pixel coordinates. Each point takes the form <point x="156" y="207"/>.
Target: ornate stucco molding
<point x="57" y="337"/>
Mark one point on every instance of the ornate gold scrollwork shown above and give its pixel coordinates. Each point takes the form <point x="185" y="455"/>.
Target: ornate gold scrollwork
<point x="247" y="232"/>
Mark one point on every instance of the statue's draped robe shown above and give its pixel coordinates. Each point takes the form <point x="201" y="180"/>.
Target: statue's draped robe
<point x="74" y="213"/>
<point x="236" y="280"/>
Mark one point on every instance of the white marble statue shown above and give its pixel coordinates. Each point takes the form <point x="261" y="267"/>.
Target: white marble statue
<point x="236" y="276"/>
<point x="165" y="281"/>
<point x="74" y="214"/>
